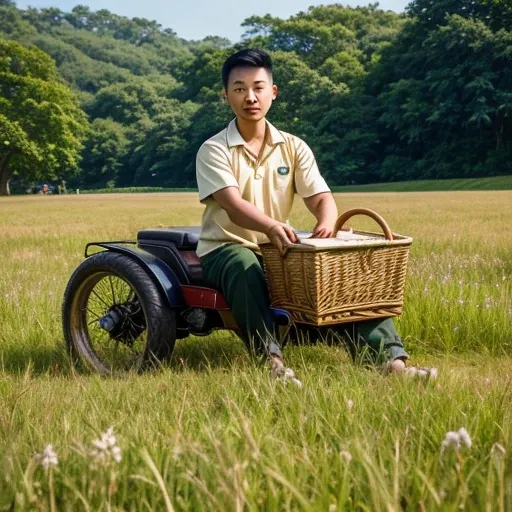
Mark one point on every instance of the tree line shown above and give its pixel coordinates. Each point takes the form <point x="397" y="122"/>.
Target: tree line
<point x="101" y="100"/>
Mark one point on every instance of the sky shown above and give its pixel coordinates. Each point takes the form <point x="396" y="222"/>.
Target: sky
<point x="196" y="19"/>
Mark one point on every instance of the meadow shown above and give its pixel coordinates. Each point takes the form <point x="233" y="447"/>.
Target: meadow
<point x="211" y="430"/>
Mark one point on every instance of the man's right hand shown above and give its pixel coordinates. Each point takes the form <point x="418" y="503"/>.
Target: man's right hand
<point x="281" y="235"/>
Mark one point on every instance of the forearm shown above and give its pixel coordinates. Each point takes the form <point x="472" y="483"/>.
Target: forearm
<point x="326" y="211"/>
<point x="247" y="216"/>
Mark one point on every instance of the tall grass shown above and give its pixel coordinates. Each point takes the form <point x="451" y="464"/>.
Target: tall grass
<point x="212" y="431"/>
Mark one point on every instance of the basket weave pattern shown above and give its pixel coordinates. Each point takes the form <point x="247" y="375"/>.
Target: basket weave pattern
<point x="330" y="286"/>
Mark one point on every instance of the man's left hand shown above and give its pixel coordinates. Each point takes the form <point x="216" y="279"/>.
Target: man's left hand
<point x="322" y="231"/>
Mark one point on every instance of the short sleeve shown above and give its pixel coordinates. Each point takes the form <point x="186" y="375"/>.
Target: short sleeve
<point x="308" y="180"/>
<point x="213" y="170"/>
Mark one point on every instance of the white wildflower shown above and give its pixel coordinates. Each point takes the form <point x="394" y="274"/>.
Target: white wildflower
<point x="48" y="458"/>
<point x="464" y="439"/>
<point x="350" y="404"/>
<point x="346" y="456"/>
<point x="106" y="449"/>
<point x="456" y="440"/>
<point x="451" y="439"/>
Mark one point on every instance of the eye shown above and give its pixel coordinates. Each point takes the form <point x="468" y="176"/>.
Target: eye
<point x="239" y="89"/>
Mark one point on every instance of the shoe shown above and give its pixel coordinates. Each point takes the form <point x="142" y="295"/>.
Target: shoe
<point x="398" y="367"/>
<point x="421" y="372"/>
<point x="279" y="371"/>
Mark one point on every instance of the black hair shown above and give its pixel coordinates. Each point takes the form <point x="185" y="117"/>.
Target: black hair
<point x="248" y="58"/>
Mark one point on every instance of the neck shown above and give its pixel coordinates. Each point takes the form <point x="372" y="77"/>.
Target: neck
<point x="250" y="130"/>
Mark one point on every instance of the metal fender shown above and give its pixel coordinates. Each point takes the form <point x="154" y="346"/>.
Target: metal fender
<point x="160" y="272"/>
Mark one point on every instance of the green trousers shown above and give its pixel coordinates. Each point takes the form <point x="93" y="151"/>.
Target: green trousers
<point x="237" y="273"/>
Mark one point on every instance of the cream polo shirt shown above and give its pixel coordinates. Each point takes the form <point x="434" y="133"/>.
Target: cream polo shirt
<point x="286" y="166"/>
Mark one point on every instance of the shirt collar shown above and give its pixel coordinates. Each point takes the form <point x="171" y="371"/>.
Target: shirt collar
<point x="235" y="139"/>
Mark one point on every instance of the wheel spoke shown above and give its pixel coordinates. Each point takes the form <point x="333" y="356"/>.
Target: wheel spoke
<point x="92" y="313"/>
<point x="123" y="349"/>
<point x="112" y="288"/>
<point x="106" y="305"/>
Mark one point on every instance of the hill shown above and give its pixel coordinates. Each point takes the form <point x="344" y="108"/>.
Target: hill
<point x="375" y="94"/>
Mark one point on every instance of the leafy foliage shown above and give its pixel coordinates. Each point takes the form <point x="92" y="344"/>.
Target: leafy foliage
<point x="40" y="124"/>
<point x="377" y="95"/>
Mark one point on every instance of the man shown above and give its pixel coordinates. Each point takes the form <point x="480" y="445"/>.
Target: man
<point x="247" y="176"/>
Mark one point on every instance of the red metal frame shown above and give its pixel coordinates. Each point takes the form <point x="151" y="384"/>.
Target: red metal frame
<point x="200" y="297"/>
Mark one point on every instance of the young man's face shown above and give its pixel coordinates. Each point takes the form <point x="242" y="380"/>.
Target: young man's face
<point x="250" y="93"/>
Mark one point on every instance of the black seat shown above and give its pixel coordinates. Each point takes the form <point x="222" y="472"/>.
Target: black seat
<point x="184" y="237"/>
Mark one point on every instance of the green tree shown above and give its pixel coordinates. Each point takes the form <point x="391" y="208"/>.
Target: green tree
<point x="161" y="158"/>
<point x="104" y="154"/>
<point x="324" y="31"/>
<point x="41" y="127"/>
<point x="445" y="88"/>
<point x="12" y="24"/>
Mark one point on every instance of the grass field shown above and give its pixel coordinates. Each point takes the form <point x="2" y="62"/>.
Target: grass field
<point x="212" y="431"/>
<point x="477" y="184"/>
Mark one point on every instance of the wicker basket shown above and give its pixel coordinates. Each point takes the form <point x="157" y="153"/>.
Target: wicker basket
<point x="322" y="286"/>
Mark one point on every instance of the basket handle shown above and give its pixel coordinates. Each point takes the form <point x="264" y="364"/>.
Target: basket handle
<point x="363" y="211"/>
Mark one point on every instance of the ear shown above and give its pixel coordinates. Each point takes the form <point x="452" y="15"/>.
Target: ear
<point x="274" y="91"/>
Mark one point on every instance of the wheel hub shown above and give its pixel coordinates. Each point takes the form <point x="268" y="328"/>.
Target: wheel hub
<point x="124" y="322"/>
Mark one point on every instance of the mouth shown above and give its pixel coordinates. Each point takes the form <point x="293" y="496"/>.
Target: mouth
<point x="251" y="110"/>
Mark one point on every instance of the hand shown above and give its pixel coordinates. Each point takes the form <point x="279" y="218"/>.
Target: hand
<point x="322" y="231"/>
<point x="281" y="235"/>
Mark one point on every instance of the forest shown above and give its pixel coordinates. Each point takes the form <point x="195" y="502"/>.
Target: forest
<point x="98" y="100"/>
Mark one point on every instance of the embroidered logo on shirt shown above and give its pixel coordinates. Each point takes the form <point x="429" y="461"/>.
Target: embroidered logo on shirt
<point x="283" y="171"/>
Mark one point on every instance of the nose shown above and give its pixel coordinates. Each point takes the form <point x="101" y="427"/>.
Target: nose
<point x="251" y="97"/>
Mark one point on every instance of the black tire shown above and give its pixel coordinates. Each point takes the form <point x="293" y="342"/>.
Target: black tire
<point x="147" y="329"/>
